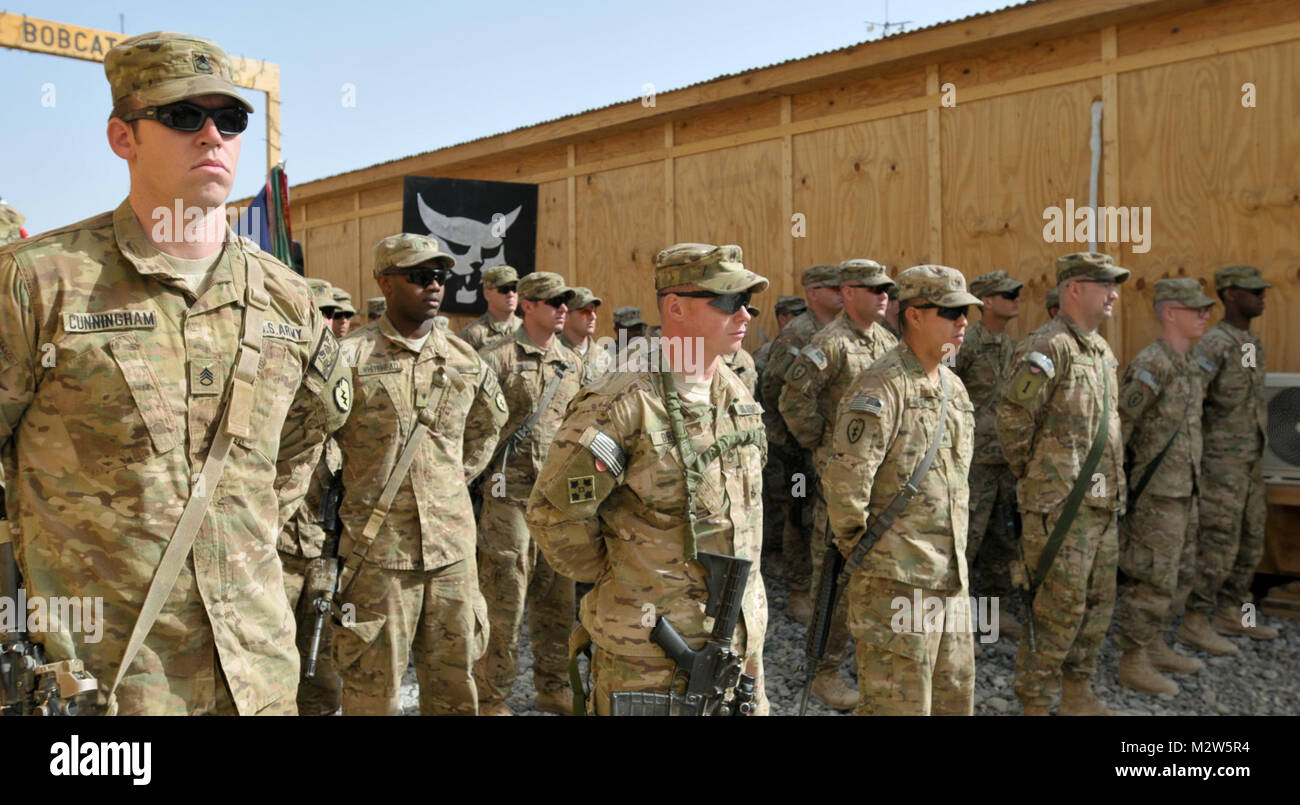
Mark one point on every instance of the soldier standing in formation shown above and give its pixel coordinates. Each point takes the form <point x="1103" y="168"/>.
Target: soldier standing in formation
<point x="375" y="307"/>
<point x="194" y="370"/>
<point x="11" y="224"/>
<point x="908" y="414"/>
<point x="1232" y="508"/>
<point x="501" y="290"/>
<point x="982" y="366"/>
<point x="742" y="363"/>
<point x="1160" y="408"/>
<point x="579" y="326"/>
<point x="651" y="467"/>
<point x="341" y="321"/>
<point x="428" y="414"/>
<point x="777" y="500"/>
<point x="814" y="385"/>
<point x="539" y="376"/>
<point x="1053" y="302"/>
<point x="786" y="308"/>
<point x="1058" y="410"/>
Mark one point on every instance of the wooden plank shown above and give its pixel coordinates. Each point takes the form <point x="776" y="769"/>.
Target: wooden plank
<point x="374" y="228"/>
<point x="348" y="215"/>
<point x="764" y="114"/>
<point x="1115" y="331"/>
<point x="1005" y="63"/>
<point x="572" y="208"/>
<point x="553" y="231"/>
<point x="934" y="167"/>
<point x="1200" y="25"/>
<point x="787" y="278"/>
<point x="670" y="187"/>
<point x="865" y="93"/>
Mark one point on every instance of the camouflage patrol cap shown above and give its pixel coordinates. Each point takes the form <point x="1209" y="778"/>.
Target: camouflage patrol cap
<point x="1053" y="298"/>
<point x="376" y="306"/>
<point x="11" y="224"/>
<point x="628" y="316"/>
<point x="790" y="304"/>
<point x="321" y="293"/>
<point x="1184" y="290"/>
<point x="1093" y="265"/>
<point x="994" y="282"/>
<point x="935" y="285"/>
<point x="822" y="275"/>
<point x="406" y="249"/>
<point x="542" y="285"/>
<point x="496" y="276"/>
<point x="343" y="301"/>
<point x="714" y="268"/>
<point x="1247" y="277"/>
<point x="583" y="298"/>
<point x="864" y="272"/>
<point x="162" y="67"/>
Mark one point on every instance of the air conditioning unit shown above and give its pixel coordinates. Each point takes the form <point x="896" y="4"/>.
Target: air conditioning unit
<point x="1282" y="437"/>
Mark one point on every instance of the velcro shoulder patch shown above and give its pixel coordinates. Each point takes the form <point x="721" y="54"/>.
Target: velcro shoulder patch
<point x="606" y="451"/>
<point x="1205" y="363"/>
<point x="326" y="355"/>
<point x="1033" y="372"/>
<point x="815" y="355"/>
<point x="793" y="350"/>
<point x="1149" y="380"/>
<point x="289" y="332"/>
<point x="1042" y="362"/>
<point x="739" y="408"/>
<point x="866" y="404"/>
<point x="526" y="366"/>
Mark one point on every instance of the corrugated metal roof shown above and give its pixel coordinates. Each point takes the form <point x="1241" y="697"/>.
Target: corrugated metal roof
<point x="722" y="77"/>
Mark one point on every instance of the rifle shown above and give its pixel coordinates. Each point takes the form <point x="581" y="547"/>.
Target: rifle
<point x="28" y="684"/>
<point x="1019" y="580"/>
<point x="323" y="572"/>
<point x="710" y="672"/>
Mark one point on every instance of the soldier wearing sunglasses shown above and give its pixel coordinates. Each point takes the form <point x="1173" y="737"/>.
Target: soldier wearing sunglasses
<point x="193" y="373"/>
<point x="409" y="583"/>
<point x="577" y="335"/>
<point x="885" y="425"/>
<point x="631" y="492"/>
<point x="982" y="365"/>
<point x="341" y="320"/>
<point x="498" y="322"/>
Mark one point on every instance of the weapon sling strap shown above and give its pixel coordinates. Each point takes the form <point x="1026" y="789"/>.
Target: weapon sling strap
<point x="520" y="433"/>
<point x="235" y="425"/>
<point x="1072" y="502"/>
<point x="1155" y="462"/>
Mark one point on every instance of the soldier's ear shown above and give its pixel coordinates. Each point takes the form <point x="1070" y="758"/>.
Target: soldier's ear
<point x="121" y="138"/>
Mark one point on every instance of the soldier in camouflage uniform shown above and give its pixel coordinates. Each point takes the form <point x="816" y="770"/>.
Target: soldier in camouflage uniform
<point x="117" y="353"/>
<point x="884" y="426"/>
<point x="577" y="334"/>
<point x="1053" y="302"/>
<point x="1051" y="408"/>
<point x="539" y="376"/>
<point x="611" y="503"/>
<point x="891" y="313"/>
<point x="375" y="308"/>
<point x="1160" y="408"/>
<point x="776" y="485"/>
<point x="341" y="321"/>
<point x="628" y="326"/>
<point x="1232" y="507"/>
<point x="742" y="364"/>
<point x="409" y="583"/>
<point x="816" y="381"/>
<point x="11" y="224"/>
<point x="787" y="308"/>
<point x="982" y="366"/>
<point x="822" y="286"/>
<point x="499" y="322"/>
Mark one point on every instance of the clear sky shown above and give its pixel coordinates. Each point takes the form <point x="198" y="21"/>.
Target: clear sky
<point x="424" y="75"/>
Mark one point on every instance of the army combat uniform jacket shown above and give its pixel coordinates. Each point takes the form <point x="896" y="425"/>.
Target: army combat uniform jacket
<point x="1160" y="398"/>
<point x="113" y="382"/>
<point x="982" y="365"/>
<point x="609" y="508"/>
<point x="485" y="331"/>
<point x="1235" y="415"/>
<point x="595" y="361"/>
<point x="742" y="363"/>
<point x="785" y="348"/>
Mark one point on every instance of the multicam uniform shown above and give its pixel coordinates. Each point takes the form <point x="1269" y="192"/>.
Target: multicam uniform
<point x="595" y="361"/>
<point x="742" y="363"/>
<point x="112" y="387"/>
<point x="485" y="331"/>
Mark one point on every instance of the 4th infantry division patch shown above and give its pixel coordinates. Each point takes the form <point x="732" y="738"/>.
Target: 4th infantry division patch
<point x="582" y="488"/>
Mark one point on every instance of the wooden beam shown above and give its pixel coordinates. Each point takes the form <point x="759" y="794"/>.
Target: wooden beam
<point x="787" y="197"/>
<point x="934" y="164"/>
<point x="670" y="187"/>
<point x="571" y="186"/>
<point x="1110" y="156"/>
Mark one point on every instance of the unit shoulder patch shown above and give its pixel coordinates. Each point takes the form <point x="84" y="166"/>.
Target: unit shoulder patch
<point x="815" y="355"/>
<point x="326" y="356"/>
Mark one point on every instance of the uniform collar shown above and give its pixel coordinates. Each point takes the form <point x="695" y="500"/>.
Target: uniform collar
<point x="1086" y="339"/>
<point x="150" y="262"/>
<point x="435" y="344"/>
<point x="530" y="347"/>
<point x="581" y="349"/>
<point x="912" y="365"/>
<point x="500" y="326"/>
<point x="1237" y="333"/>
<point x="861" y="332"/>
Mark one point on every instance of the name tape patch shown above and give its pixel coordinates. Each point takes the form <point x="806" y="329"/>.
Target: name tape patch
<point x="279" y="329"/>
<point x="109" y="320"/>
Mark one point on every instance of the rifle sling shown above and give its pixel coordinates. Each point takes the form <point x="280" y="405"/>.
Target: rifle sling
<point x="1155" y="462"/>
<point x="1071" y="507"/>
<point x="235" y="424"/>
<point x="520" y="433"/>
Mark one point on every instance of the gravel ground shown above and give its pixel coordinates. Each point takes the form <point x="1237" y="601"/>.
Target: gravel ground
<point x="1263" y="680"/>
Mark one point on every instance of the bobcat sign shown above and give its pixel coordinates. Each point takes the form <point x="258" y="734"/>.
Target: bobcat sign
<point x="481" y="224"/>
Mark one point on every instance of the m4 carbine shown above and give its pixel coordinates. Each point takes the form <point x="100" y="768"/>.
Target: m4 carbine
<point x="323" y="572"/>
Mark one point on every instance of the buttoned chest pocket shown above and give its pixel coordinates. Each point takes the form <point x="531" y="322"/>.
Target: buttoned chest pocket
<point x="522" y="385"/>
<point x="112" y="404"/>
<point x="279" y="374"/>
<point x="961" y="428"/>
<point x="452" y="393"/>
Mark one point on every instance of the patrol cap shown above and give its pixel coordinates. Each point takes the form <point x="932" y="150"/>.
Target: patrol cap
<point x="343" y="301"/>
<point x="376" y="306"/>
<point x="407" y="249"/>
<point x="935" y="285"/>
<point x="496" y="276"/>
<point x="583" y="297"/>
<point x="994" y="282"/>
<point x="1184" y="290"/>
<point x="714" y="268"/>
<point x="542" y="285"/>
<point x="866" y="272"/>
<point x="1053" y="297"/>
<point x="822" y="275"/>
<point x="321" y="293"/>
<point x="790" y="304"/>
<point x="162" y="67"/>
<point x="628" y="316"/>
<point x="1247" y="277"/>
<point x="1093" y="265"/>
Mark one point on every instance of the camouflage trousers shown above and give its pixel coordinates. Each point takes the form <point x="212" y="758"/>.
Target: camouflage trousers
<point x="1072" y="606"/>
<point x="797" y="530"/>
<point x="1158" y="555"/>
<point x="436" y="615"/>
<point x="776" y="501"/>
<point x="1231" y="540"/>
<point x="613" y="673"/>
<point x="322" y="694"/>
<point x="913" y="667"/>
<point x="837" y="643"/>
<point x="512" y="572"/>
<point x="991" y="542"/>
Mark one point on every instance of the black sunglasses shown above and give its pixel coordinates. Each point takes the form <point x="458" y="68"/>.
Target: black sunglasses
<point x="558" y="301"/>
<point x="949" y="313"/>
<point x="186" y="116"/>
<point x="1010" y="294"/>
<point x="421" y="277"/>
<point x="511" y="288"/>
<point x="728" y="303"/>
<point x="342" y="315"/>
